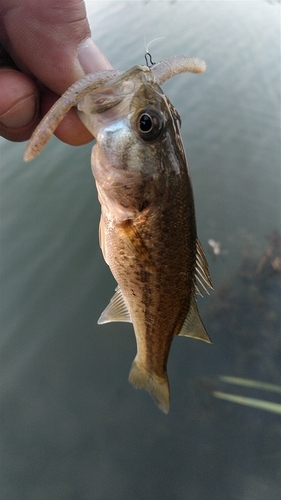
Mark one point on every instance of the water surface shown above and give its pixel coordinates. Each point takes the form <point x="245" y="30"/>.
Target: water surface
<point x="71" y="425"/>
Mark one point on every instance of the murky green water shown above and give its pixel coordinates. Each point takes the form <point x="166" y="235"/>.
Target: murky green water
<point x="71" y="425"/>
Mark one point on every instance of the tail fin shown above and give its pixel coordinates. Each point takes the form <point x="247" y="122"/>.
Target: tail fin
<point x="158" y="387"/>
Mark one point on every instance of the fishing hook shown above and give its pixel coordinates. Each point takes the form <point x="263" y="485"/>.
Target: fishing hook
<point x="149" y="62"/>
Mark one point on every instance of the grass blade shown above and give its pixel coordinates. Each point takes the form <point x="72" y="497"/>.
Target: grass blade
<point x="254" y="403"/>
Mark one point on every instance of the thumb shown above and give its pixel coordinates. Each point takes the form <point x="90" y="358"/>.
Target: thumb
<point x="51" y="41"/>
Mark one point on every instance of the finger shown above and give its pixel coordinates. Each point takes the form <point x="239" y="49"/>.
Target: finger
<point x="48" y="42"/>
<point x="19" y="105"/>
<point x="52" y="44"/>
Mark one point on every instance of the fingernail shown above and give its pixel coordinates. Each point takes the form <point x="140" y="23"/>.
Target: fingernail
<point x="91" y="58"/>
<point x="21" y="114"/>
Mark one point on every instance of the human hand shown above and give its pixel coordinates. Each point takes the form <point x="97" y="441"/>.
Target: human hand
<point x="44" y="48"/>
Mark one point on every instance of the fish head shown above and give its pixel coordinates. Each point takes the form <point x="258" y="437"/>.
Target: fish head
<point x="104" y="90"/>
<point x="133" y="123"/>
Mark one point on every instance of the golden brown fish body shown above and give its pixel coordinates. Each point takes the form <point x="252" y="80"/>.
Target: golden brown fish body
<point x="147" y="228"/>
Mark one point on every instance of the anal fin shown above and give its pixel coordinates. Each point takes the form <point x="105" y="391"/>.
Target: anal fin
<point x="193" y="325"/>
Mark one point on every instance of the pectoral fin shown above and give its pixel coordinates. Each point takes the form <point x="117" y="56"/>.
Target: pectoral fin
<point x="135" y="243"/>
<point x="193" y="326"/>
<point x="116" y="310"/>
<point x="102" y="237"/>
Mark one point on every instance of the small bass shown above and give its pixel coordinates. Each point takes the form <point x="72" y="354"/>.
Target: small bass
<point x="148" y="231"/>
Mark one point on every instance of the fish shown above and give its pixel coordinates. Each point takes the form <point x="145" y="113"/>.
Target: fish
<point x="147" y="230"/>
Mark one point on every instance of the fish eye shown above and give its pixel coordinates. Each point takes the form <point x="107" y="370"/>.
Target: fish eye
<point x="150" y="124"/>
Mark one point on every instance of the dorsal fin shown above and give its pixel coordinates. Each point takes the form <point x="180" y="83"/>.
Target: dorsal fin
<point x="116" y="310"/>
<point x="193" y="326"/>
<point x="202" y="275"/>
